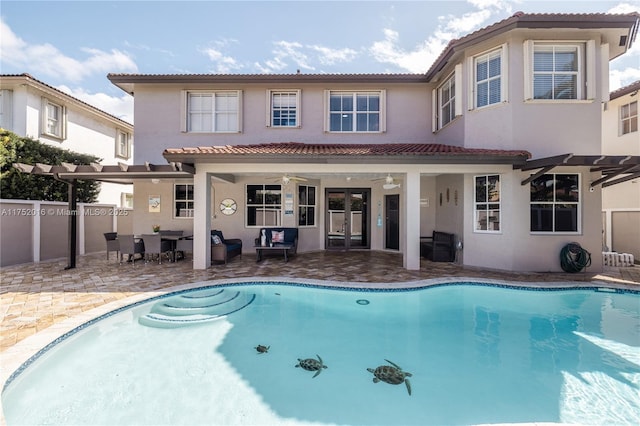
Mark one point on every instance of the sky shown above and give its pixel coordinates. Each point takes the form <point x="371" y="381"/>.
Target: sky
<point x="73" y="45"/>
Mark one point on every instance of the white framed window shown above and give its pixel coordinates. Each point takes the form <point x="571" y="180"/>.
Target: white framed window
<point x="487" y="203"/>
<point x="54" y="119"/>
<point x="212" y="111"/>
<point x="306" y="205"/>
<point x="446" y="100"/>
<point x="123" y="144"/>
<point x="555" y="203"/>
<point x="264" y="205"/>
<point x="351" y="112"/>
<point x="559" y="71"/>
<point x="284" y="108"/>
<point x="489" y="78"/>
<point x="183" y="200"/>
<point x="629" y="118"/>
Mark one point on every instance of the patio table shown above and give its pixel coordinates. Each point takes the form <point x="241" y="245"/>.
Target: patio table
<point x="284" y="247"/>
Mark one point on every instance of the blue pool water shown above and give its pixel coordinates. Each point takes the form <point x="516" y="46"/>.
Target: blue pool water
<point x="478" y="354"/>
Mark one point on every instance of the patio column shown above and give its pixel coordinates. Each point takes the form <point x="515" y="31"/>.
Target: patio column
<point x="411" y="250"/>
<point x="201" y="221"/>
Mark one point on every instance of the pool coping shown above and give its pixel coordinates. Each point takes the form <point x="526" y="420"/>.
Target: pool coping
<point x="23" y="353"/>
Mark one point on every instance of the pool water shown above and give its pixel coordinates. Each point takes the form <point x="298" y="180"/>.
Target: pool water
<point x="478" y="354"/>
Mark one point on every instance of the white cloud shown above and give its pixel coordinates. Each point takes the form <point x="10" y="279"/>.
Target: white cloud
<point x="625" y="7"/>
<point x="121" y="107"/>
<point x="623" y="77"/>
<point x="46" y="60"/>
<point x="222" y="62"/>
<point x="328" y="56"/>
<point x="449" y="27"/>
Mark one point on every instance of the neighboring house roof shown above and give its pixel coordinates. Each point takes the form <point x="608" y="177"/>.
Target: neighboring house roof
<point x="633" y="87"/>
<point x="322" y="153"/>
<point x="29" y="79"/>
<point x="618" y="42"/>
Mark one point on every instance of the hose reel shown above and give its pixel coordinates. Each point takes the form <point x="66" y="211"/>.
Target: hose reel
<point x="573" y="258"/>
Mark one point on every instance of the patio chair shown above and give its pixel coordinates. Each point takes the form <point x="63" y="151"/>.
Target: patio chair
<point x="130" y="247"/>
<point x="153" y="244"/>
<point x="112" y="243"/>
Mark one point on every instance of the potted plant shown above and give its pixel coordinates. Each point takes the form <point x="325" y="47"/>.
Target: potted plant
<point x="156" y="228"/>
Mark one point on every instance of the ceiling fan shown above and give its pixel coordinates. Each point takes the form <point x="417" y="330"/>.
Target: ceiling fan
<point x="285" y="179"/>
<point x="388" y="182"/>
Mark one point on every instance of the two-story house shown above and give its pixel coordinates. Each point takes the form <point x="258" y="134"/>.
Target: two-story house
<point x="621" y="202"/>
<point x="31" y="108"/>
<point x="499" y="143"/>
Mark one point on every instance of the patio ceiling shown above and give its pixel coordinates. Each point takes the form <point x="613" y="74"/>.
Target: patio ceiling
<point x="615" y="169"/>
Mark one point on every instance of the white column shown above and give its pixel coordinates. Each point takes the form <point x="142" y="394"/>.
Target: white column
<point x="201" y="221"/>
<point x="411" y="259"/>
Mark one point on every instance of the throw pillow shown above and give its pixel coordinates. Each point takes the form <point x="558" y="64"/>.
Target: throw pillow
<point x="277" y="237"/>
<point x="216" y="239"/>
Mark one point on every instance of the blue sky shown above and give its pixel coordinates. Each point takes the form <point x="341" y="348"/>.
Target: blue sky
<point x="73" y="45"/>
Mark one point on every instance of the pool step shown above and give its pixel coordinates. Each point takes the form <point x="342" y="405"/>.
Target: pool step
<point x="190" y="309"/>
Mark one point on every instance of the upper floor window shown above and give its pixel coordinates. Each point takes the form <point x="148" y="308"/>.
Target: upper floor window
<point x="123" y="147"/>
<point x="487" y="203"/>
<point x="306" y="205"/>
<point x="356" y="111"/>
<point x="54" y="119"/>
<point x="212" y="112"/>
<point x="555" y="202"/>
<point x="264" y="205"/>
<point x="488" y="76"/>
<point x="629" y="118"/>
<point x="560" y="71"/>
<point x="284" y="107"/>
<point x="183" y="200"/>
<point x="447" y="101"/>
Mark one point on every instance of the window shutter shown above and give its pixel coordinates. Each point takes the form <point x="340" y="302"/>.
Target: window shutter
<point x="434" y="113"/>
<point x="458" y="90"/>
<point x="268" y="108"/>
<point x="590" y="74"/>
<point x="604" y="72"/>
<point x="240" y="111"/>
<point x="327" y="94"/>
<point x="383" y="111"/>
<point x="63" y="124"/>
<point x="528" y="74"/>
<point x="299" y="108"/>
<point x="183" y="110"/>
<point x="504" y="73"/>
<point x="471" y="89"/>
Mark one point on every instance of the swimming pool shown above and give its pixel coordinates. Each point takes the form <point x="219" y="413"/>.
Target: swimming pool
<point x="478" y="353"/>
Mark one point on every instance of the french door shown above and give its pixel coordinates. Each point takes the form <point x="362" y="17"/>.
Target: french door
<point x="347" y="218"/>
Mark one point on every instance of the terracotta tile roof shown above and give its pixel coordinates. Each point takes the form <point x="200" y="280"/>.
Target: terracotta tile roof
<point x="302" y="149"/>
<point x="633" y="87"/>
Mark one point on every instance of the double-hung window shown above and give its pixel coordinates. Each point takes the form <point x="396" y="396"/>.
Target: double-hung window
<point x="123" y="145"/>
<point x="212" y="111"/>
<point x="284" y="108"/>
<point x="560" y="71"/>
<point x="356" y="111"/>
<point x="446" y="100"/>
<point x="488" y="77"/>
<point x="555" y="202"/>
<point x="306" y="205"/>
<point x="54" y="119"/>
<point x="183" y="200"/>
<point x="629" y="118"/>
<point x="264" y="205"/>
<point x="487" y="203"/>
